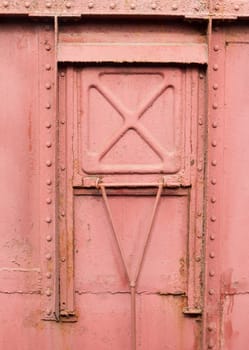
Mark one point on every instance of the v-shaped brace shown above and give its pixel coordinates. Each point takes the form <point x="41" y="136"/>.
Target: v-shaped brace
<point x="132" y="281"/>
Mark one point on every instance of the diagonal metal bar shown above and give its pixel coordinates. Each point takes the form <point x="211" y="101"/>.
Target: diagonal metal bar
<point x="147" y="236"/>
<point x="112" y="100"/>
<point x="151" y="100"/>
<point x="116" y="236"/>
<point x="150" y="140"/>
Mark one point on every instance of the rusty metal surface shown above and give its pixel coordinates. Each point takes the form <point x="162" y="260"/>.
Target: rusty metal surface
<point x="195" y="9"/>
<point x="105" y="224"/>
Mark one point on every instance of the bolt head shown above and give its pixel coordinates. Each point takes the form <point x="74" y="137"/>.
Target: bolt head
<point x="215" y="67"/>
<point x="49" y="238"/>
<point x="48" y="144"/>
<point x="49" y="275"/>
<point x="48" y="163"/>
<point x="68" y="5"/>
<point x="48" y="125"/>
<point x="5" y="3"/>
<point x="90" y="5"/>
<point x="48" y="85"/>
<point x="48" y="4"/>
<point x="27" y="4"/>
<point x="236" y="7"/>
<point x="133" y="6"/>
<point x="153" y="6"/>
<point x="48" y="292"/>
<point x="214" y="125"/>
<point x="48" y="257"/>
<point x="48" y="200"/>
<point x="214" y="143"/>
<point x="49" y="182"/>
<point x="112" y="5"/>
<point x="212" y="237"/>
<point x="48" y="220"/>
<point x="216" y="48"/>
<point x="48" y="312"/>
<point x="48" y="66"/>
<point x="215" y="86"/>
<point x="211" y="273"/>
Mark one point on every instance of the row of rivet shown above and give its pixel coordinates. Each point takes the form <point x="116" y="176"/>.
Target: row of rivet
<point x="91" y="5"/>
<point x="47" y="89"/>
<point x="113" y="5"/>
<point x="211" y="327"/>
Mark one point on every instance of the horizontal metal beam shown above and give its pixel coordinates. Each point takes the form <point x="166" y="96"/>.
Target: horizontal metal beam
<point x="195" y="9"/>
<point x="180" y="53"/>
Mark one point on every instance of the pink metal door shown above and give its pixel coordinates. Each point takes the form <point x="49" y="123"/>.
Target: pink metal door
<point x="127" y="144"/>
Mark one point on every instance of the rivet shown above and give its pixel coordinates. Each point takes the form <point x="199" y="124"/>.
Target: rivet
<point x="213" y="181"/>
<point x="48" y="85"/>
<point x="48" y="256"/>
<point x="68" y="5"/>
<point x="214" y="162"/>
<point x="215" y="67"/>
<point x="197" y="259"/>
<point x="212" y="237"/>
<point x="49" y="182"/>
<point x="133" y="6"/>
<point x="236" y="7"/>
<point x="153" y="6"/>
<point x="201" y="76"/>
<point x="49" y="238"/>
<point x="48" y="106"/>
<point x="48" y="275"/>
<point x="215" y="105"/>
<point x="62" y="122"/>
<point x="48" y="125"/>
<point x="48" y="144"/>
<point x="211" y="273"/>
<point x="174" y="7"/>
<point x="47" y="47"/>
<point x="199" y="168"/>
<point x="63" y="167"/>
<point x="63" y="259"/>
<point x="199" y="213"/>
<point x="48" y="5"/>
<point x="211" y="345"/>
<point x="48" y="312"/>
<point x="215" y="86"/>
<point x="212" y="255"/>
<point x="211" y="291"/>
<point x="214" y="125"/>
<point x="48" y="163"/>
<point x="196" y="8"/>
<point x="200" y="121"/>
<point x="199" y="236"/>
<point x="213" y="199"/>
<point x="48" y="200"/>
<point x="62" y="213"/>
<point x="217" y="7"/>
<point x="210" y="327"/>
<point x="48" y="292"/>
<point x="112" y="5"/>
<point x="48" y="66"/>
<point x="5" y="3"/>
<point x="214" y="143"/>
<point x="216" y="48"/>
<point x="62" y="74"/>
<point x="48" y="220"/>
<point x="27" y="4"/>
<point x="213" y="218"/>
<point x="90" y="5"/>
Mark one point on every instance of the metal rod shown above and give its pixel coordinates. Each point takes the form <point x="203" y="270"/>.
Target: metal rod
<point x="132" y="282"/>
<point x="103" y="191"/>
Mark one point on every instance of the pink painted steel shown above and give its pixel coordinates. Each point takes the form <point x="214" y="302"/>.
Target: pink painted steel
<point x="105" y="226"/>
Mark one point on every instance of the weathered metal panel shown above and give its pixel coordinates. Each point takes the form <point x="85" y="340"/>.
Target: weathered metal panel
<point x="102" y="178"/>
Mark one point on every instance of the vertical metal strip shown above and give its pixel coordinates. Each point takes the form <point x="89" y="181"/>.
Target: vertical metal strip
<point x="48" y="177"/>
<point x="214" y="186"/>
